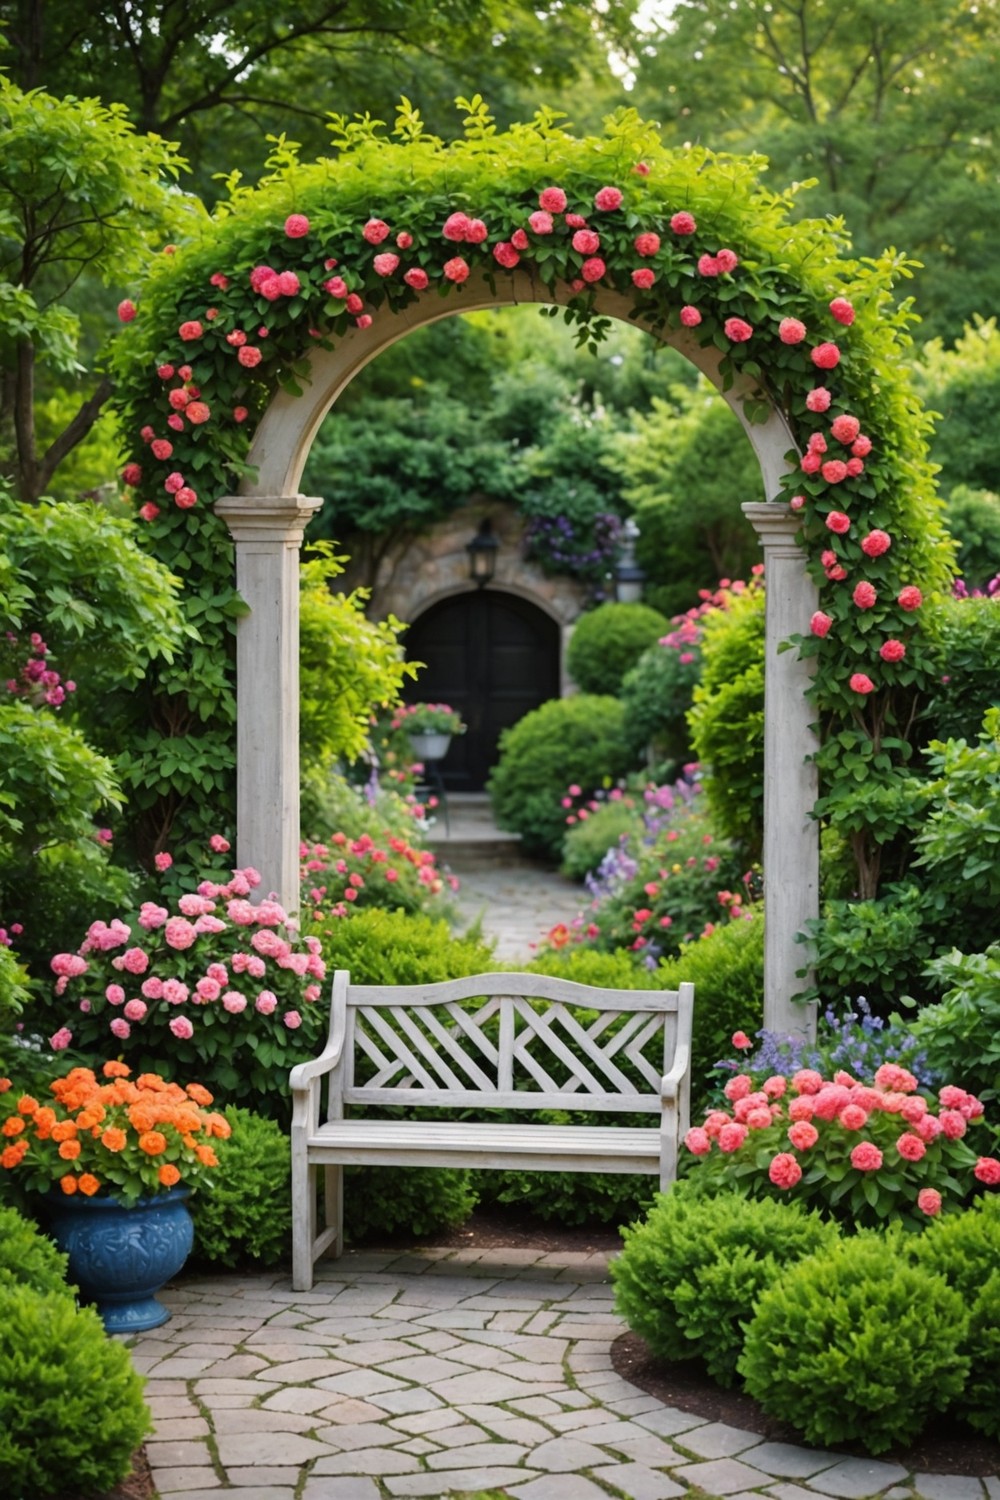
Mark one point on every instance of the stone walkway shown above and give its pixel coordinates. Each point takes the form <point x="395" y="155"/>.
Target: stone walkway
<point x="444" y="1373"/>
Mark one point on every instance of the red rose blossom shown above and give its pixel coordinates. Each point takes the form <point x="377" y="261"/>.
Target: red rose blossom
<point x="647" y="243"/>
<point x="791" y="331"/>
<point x="842" y="310"/>
<point x="296" y="226"/>
<point x="820" y="623"/>
<point x="375" y="231"/>
<point x="737" y="330"/>
<point x="865" y="595"/>
<point x="909" y="598"/>
<point x="875" y="543"/>
<point x="859" y="683"/>
<point x="607" y="199"/>
<point x="683" y="223"/>
<point x="825" y="356"/>
<point x="819" y="399"/>
<point x="892" y="650"/>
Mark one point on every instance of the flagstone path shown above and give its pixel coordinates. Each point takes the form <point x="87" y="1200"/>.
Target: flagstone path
<point x="445" y="1372"/>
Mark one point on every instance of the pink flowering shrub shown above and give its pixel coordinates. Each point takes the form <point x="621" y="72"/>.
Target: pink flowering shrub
<point x="341" y="875"/>
<point x="215" y="982"/>
<point x="864" y="1151"/>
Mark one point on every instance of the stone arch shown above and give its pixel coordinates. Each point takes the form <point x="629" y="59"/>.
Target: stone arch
<point x="269" y="506"/>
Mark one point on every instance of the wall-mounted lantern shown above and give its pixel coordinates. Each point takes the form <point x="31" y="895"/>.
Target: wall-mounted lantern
<point x="482" y="552"/>
<point x="629" y="577"/>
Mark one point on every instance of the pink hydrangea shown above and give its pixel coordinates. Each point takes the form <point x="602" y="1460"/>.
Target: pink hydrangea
<point x="375" y="231"/>
<point x="114" y="994"/>
<point x="607" y="199"/>
<point x="647" y="243"/>
<point x="732" y="1136"/>
<point x="296" y="226"/>
<point x="182" y="1028"/>
<point x="791" y="331"/>
<point x="825" y="356"/>
<point x="865" y="595"/>
<point x="690" y="316"/>
<point x="698" y="1141"/>
<point x="683" y="223"/>
<point x="803" y="1134"/>
<point x="843" y="311"/>
<point x="866" y="1157"/>
<point x="784" y="1170"/>
<point x="910" y="1146"/>
<point x="845" y="429"/>
<point x="909" y="598"/>
<point x="737" y="330"/>
<point x="186" y="497"/>
<point x="67" y="965"/>
<point x="929" y="1202"/>
<point x="861" y="683"/>
<point x="553" y="200"/>
<point x="892" y="650"/>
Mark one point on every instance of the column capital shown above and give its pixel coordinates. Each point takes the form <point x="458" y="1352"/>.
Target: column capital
<point x="776" y="525"/>
<point x="267" y="518"/>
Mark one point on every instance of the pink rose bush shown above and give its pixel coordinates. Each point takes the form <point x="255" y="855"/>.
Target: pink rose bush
<point x="344" y="875"/>
<point x="861" y="1151"/>
<point x="214" y="978"/>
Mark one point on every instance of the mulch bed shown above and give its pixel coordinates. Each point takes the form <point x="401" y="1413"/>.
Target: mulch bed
<point x="946" y="1446"/>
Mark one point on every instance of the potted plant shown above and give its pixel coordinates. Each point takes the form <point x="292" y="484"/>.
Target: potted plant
<point x="430" y="727"/>
<point x="115" y="1158"/>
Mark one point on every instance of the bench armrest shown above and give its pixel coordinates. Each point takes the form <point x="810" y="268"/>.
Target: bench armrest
<point x="302" y="1075"/>
<point x="670" y="1086"/>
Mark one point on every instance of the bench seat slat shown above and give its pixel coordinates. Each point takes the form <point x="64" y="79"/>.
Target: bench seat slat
<point x="461" y="1143"/>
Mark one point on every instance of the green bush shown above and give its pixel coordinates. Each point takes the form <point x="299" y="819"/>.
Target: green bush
<point x="566" y="741"/>
<point x="28" y="1259"/>
<point x="854" y="1344"/>
<point x="71" y="1407"/>
<point x="878" y="948"/>
<point x="727" y="971"/>
<point x="616" y="971"/>
<point x="607" y="643"/>
<point x="966" y="643"/>
<point x="332" y="804"/>
<point x="727" y="719"/>
<point x="14" y="996"/>
<point x="657" y="694"/>
<point x="588" y="840"/>
<point x="396" y="947"/>
<point x="973" y="518"/>
<point x="244" y="1213"/>
<point x="960" y="1034"/>
<point x="382" y="1201"/>
<point x="690" y="1274"/>
<point x="965" y="1250"/>
<point x="585" y="1198"/>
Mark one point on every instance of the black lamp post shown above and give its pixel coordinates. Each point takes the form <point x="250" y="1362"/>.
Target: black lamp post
<point x="482" y="552"/>
<point x="629" y="577"/>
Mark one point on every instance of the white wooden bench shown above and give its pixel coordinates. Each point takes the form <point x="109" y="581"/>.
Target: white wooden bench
<point x="486" y="1042"/>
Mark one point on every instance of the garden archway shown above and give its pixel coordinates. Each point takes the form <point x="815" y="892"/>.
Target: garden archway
<point x="343" y="258"/>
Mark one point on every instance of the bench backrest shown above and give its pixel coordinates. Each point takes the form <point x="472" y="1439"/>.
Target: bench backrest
<point x="506" y="1040"/>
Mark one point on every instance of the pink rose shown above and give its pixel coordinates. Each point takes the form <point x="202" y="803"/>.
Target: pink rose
<point x="131" y="474"/>
<point x="586" y="242"/>
<point x="337" y="287"/>
<point x="455" y="227"/>
<point x="866" y="1157"/>
<point x="845" y="429"/>
<point x="476" y="232"/>
<point x="737" y="330"/>
<point x="810" y="462"/>
<point x="259" y="275"/>
<point x="732" y="1136"/>
<point x="741" y="1041"/>
<point x="114" y="994"/>
<point x="152" y="916"/>
<point x="929" y="1202"/>
<point x="288" y="283"/>
<point x="249" y="356"/>
<point x="708" y="265"/>
<point x="126" y="311"/>
<point x="607" y="199"/>
<point x="892" y="650"/>
<point x="456" y="270"/>
<point x="505" y="255"/>
<point x="820" y="623"/>
<point x="171" y="484"/>
<point x="404" y="239"/>
<point x="860" y="683"/>
<point x="120" y="1028"/>
<point x="416" y="278"/>
<point x="135" y="961"/>
<point x="909" y="598"/>
<point x="575" y="221"/>
<point x="593" y="269"/>
<point x="807" y="1081"/>
<point x="801" y="1107"/>
<point x="61" y="1039"/>
<point x="698" y="1141"/>
<point x="683" y="223"/>
<point x="838" y="522"/>
<point x="541" y="222"/>
<point x="875" y="543"/>
<point x="738" y="1087"/>
<point x="292" y="1019"/>
<point x="182" y="1028"/>
<point x="987" y="1169"/>
<point x="910" y="1147"/>
<point x="953" y="1124"/>
<point x="179" y="933"/>
<point x="197" y="412"/>
<point x="218" y="844"/>
<point x="865" y="595"/>
<point x="825" y="356"/>
<point x="819" y="399"/>
<point x="775" y="1086"/>
<point x="234" y="1002"/>
<point x="135" y="1010"/>
<point x="375" y="231"/>
<point x="726" y="260"/>
<point x="152" y="988"/>
<point x="353" y="302"/>
<point x="690" y="316"/>
<point x="855" y="467"/>
<point x="190" y="331"/>
<point x="149" y="511"/>
<point x="386" y="264"/>
<point x="296" y="226"/>
<point x="68" y="965"/>
<point x="862" y="446"/>
<point x="207" y="990"/>
<point x="842" y="310"/>
<point x="174" y="992"/>
<point x="803" y="1134"/>
<point x="552" y="199"/>
<point x="266" y="1003"/>
<point x="853" y="1117"/>
<point x="791" y="331"/>
<point x="519" y="240"/>
<point x="893" y="1077"/>
<point x="784" y="1170"/>
<point x="834" y="471"/>
<point x="647" y="243"/>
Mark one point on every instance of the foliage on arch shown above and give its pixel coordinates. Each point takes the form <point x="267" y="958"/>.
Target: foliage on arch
<point x="391" y="218"/>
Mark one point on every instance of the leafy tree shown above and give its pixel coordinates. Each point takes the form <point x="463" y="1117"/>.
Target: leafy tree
<point x="962" y="385"/>
<point x="891" y="107"/>
<point x="687" y="467"/>
<point x="80" y="194"/>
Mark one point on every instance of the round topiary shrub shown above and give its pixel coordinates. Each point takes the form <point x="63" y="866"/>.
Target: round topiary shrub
<point x="71" y="1407"/>
<point x="567" y="741"/>
<point x="856" y="1344"/>
<point x="608" y="641"/>
<point x="28" y="1259"/>
<point x="965" y="1250"/>
<point x="689" y="1276"/>
<point x="244" y="1212"/>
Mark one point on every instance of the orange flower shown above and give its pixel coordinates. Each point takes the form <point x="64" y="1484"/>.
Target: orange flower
<point x="12" y="1156"/>
<point x="69" y="1150"/>
<point x="199" y="1094"/>
<point x="64" y="1130"/>
<point x="89" y="1184"/>
<point x="5" y="1084"/>
<point x="114" y="1139"/>
<point x="88" y="1118"/>
<point x="152" y="1142"/>
<point x="26" y="1105"/>
<point x="219" y="1126"/>
<point x="45" y="1118"/>
<point x="13" y="1126"/>
<point x="142" y="1119"/>
<point x="169" y="1175"/>
<point x="116" y="1070"/>
<point x="206" y="1156"/>
<point x="68" y="1184"/>
<point x="151" y="1081"/>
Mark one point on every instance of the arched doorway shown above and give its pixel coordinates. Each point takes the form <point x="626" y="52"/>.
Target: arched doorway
<point x="493" y="656"/>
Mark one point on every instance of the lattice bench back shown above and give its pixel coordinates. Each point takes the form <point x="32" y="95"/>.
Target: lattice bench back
<point x="498" y="1041"/>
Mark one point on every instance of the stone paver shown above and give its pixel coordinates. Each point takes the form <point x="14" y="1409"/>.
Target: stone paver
<point x="435" y="1375"/>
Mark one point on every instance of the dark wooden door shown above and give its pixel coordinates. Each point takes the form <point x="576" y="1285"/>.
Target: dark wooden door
<point x="494" y="657"/>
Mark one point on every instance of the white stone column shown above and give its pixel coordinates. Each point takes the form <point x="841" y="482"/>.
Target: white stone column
<point x="791" y="836"/>
<point x="268" y="531"/>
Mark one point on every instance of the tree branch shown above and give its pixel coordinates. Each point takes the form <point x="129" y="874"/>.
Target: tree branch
<point x="73" y="433"/>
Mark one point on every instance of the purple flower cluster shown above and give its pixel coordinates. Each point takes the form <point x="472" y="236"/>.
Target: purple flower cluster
<point x="562" y="545"/>
<point x="857" y="1042"/>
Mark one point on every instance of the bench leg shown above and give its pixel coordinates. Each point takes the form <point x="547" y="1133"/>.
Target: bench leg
<point x="333" y="1200"/>
<point x="303" y="1222"/>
